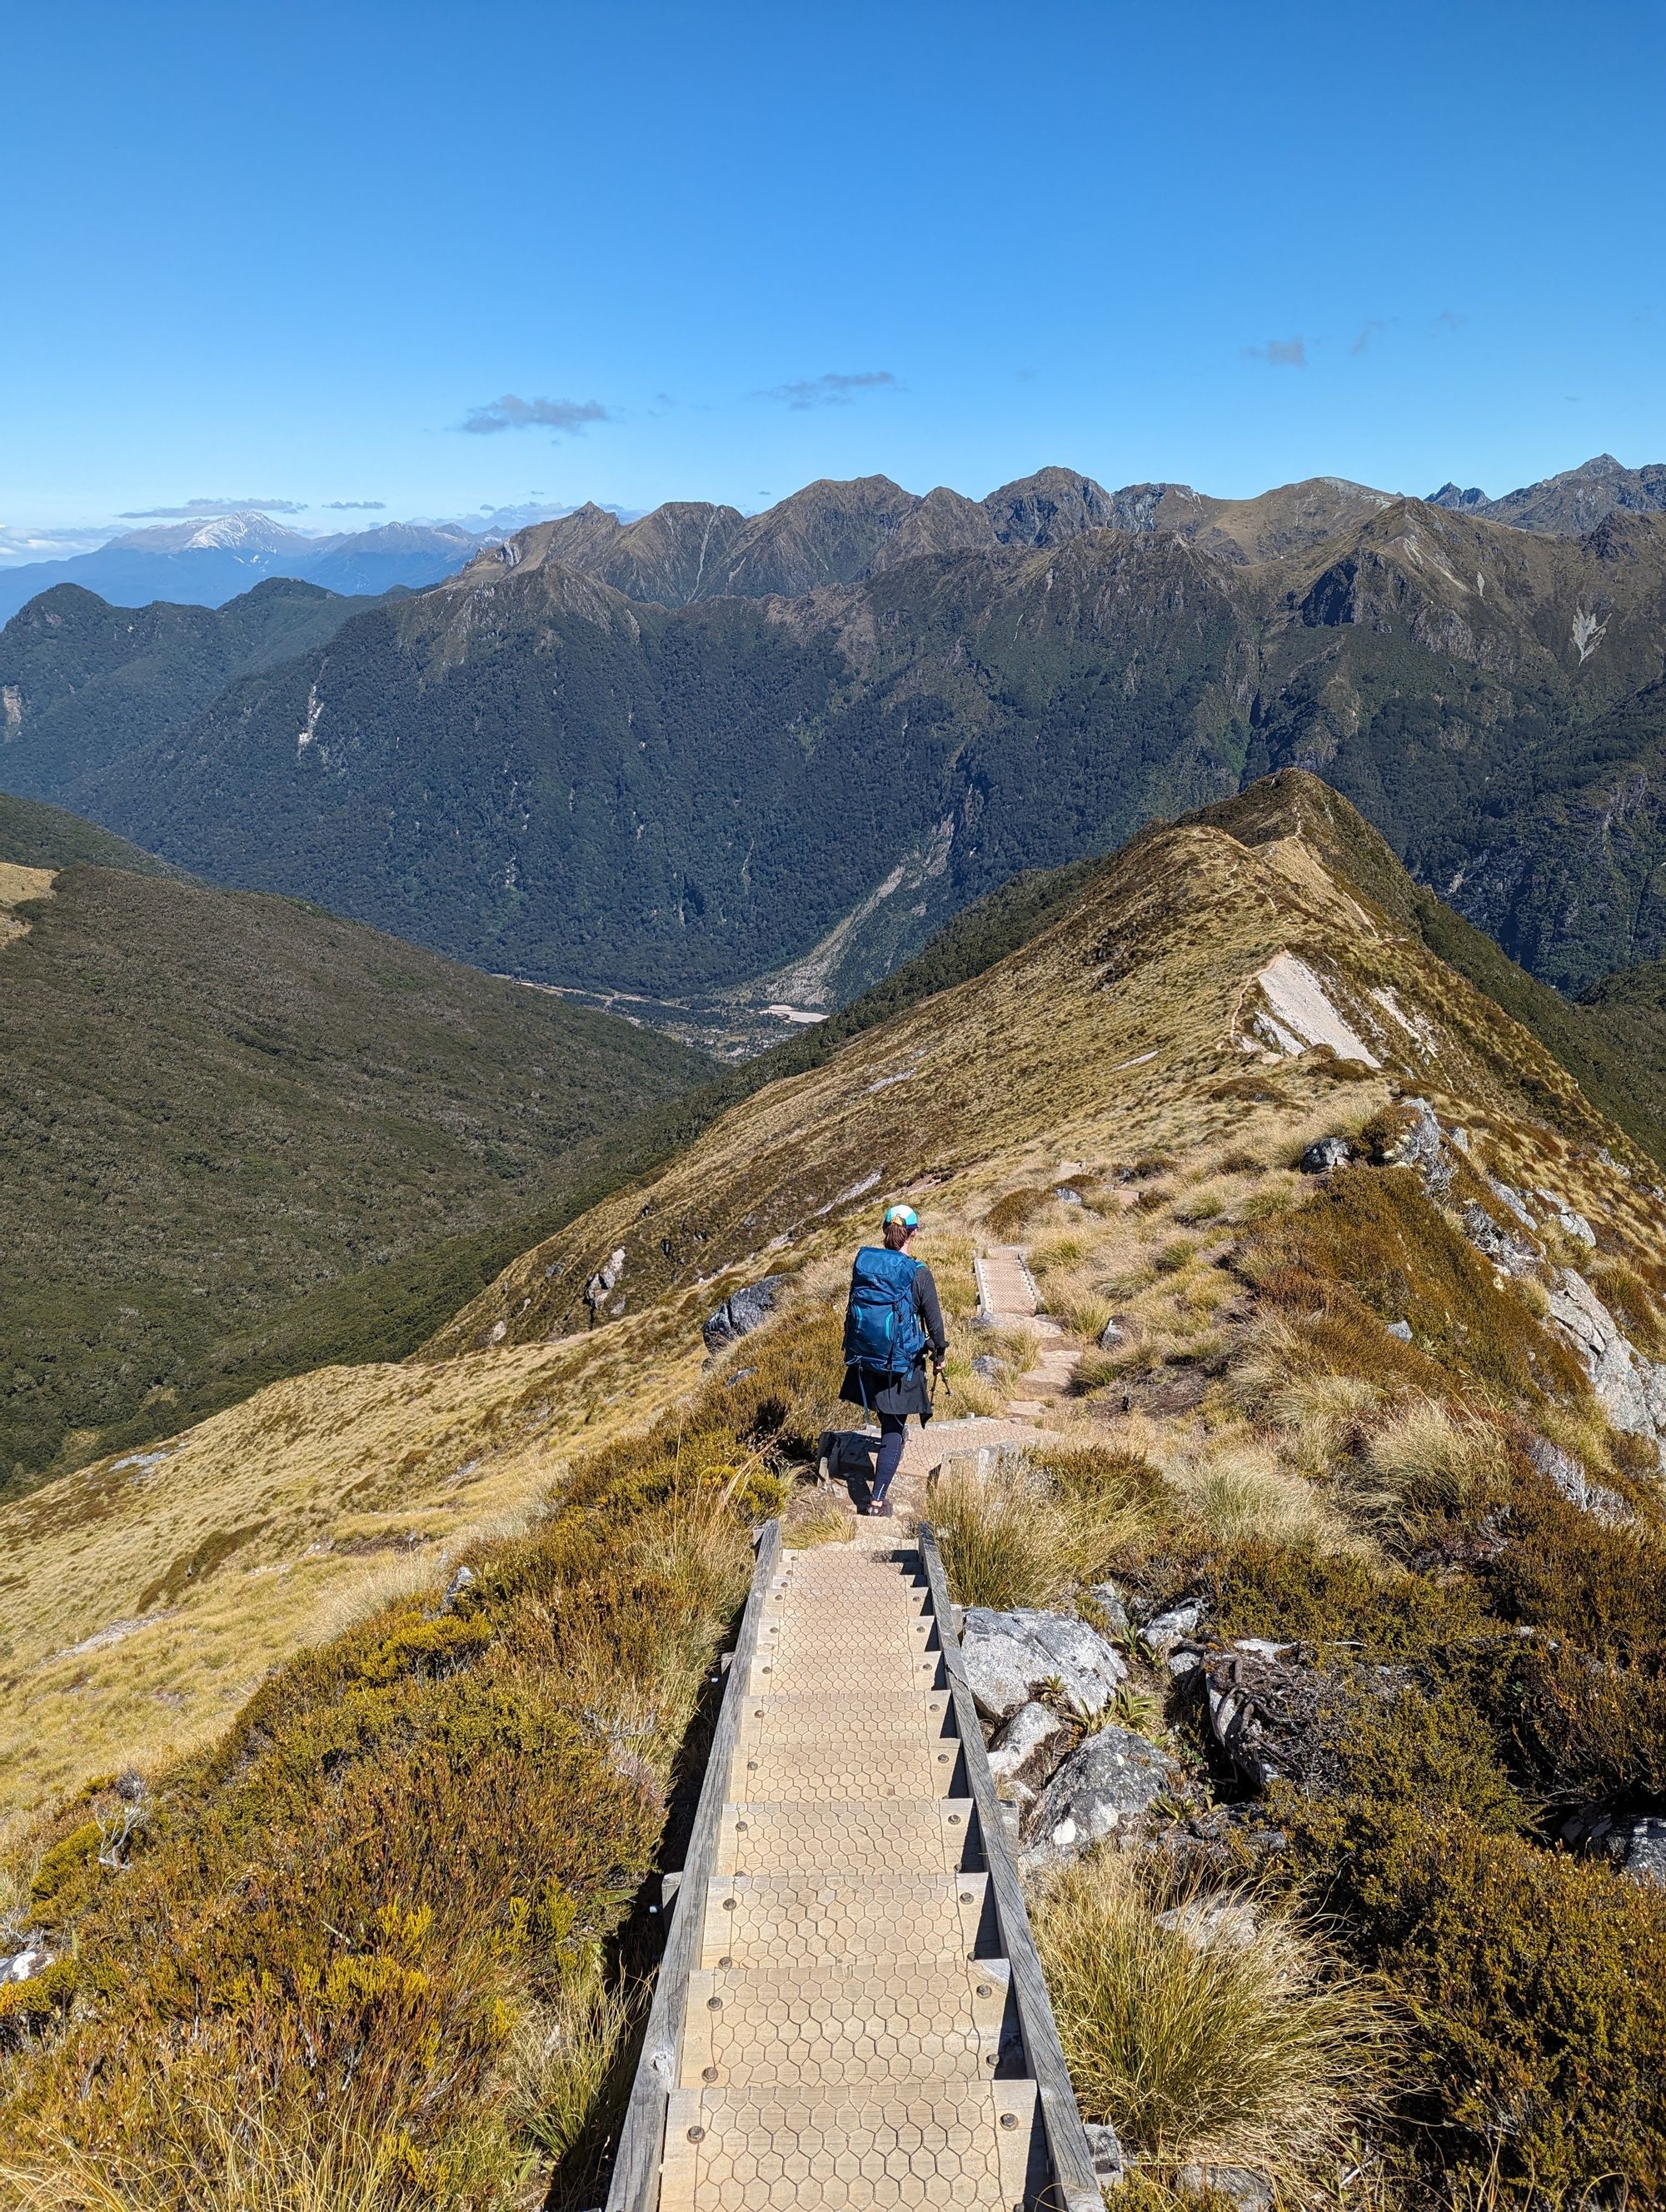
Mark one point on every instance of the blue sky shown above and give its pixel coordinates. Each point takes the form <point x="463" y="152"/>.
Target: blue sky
<point x="288" y="253"/>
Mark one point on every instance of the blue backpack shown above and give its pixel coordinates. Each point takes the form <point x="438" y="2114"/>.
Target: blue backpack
<point x="882" y="1331"/>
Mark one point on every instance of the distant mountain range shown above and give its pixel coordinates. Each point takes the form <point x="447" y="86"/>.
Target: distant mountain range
<point x="206" y="564"/>
<point x="702" y="754"/>
<point x="827" y="533"/>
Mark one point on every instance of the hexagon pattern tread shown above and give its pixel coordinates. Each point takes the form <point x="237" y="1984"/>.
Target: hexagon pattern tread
<point x="848" y="2039"/>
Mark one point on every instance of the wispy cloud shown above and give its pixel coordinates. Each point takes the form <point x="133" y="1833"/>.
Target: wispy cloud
<point x="832" y="390"/>
<point x="514" y="413"/>
<point x="1279" y="353"/>
<point x="47" y="542"/>
<point x="195" y="509"/>
<point x="1446" y="321"/>
<point x="1372" y="327"/>
<point x="354" y="506"/>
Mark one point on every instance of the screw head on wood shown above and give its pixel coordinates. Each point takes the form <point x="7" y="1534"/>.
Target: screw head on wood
<point x="709" y="2073"/>
<point x="725" y="1962"/>
<point x="728" y="1904"/>
<point x="714" y="2004"/>
<point x="966" y="1897"/>
<point x="985" y="1990"/>
<point x="696" y="2135"/>
<point x="1009" y="2119"/>
<point x="740" y="1827"/>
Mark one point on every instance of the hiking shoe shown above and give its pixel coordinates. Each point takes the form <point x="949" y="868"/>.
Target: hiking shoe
<point x="882" y="1511"/>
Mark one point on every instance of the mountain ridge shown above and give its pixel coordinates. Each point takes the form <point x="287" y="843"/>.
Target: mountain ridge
<point x="653" y="799"/>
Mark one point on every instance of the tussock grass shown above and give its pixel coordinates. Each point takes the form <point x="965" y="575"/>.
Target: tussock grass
<point x="1077" y="1300"/>
<point x="1030" y="1533"/>
<point x="1005" y="1541"/>
<point x="563" y="2061"/>
<point x="1429" y="1461"/>
<point x="249" y="2164"/>
<point x="1254" y="2054"/>
<point x="815" y="1520"/>
<point x="1240" y="1492"/>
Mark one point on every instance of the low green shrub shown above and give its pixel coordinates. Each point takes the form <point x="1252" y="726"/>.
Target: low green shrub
<point x="1536" y="1987"/>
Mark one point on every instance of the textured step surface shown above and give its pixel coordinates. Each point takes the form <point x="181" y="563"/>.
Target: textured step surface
<point x="849" y="2037"/>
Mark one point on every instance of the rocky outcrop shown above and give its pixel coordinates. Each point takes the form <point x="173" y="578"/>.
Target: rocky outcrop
<point x="1106" y="1788"/>
<point x="1630" y="1388"/>
<point x="1563" y="1471"/>
<point x="1011" y="1657"/>
<point x="1420" y="1145"/>
<point x="1509" y="1252"/>
<point x="742" y="1311"/>
<point x="1027" y="1752"/>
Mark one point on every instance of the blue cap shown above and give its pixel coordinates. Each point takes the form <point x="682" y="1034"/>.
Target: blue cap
<point x="905" y="1214"/>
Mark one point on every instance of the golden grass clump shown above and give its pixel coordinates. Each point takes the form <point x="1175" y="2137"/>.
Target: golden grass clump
<point x="1033" y="1531"/>
<point x="1006" y="1540"/>
<point x="1428" y="1461"/>
<point x="1240" y="1492"/>
<point x="565" y="2073"/>
<point x="1246" y="2050"/>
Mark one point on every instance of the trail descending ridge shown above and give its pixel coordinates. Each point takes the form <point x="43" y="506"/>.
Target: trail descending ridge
<point x="1006" y="1298"/>
<point x="851" y="2034"/>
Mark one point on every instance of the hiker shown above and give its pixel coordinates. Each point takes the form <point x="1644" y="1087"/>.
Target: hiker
<point x="892" y="1322"/>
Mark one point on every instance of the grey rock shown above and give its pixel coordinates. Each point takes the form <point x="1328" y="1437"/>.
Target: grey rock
<point x="1111" y="1335"/>
<point x="1402" y="1330"/>
<point x="1561" y="1468"/>
<point x="1630" y="1388"/>
<point x="1105" y="2149"/>
<point x="988" y="1366"/>
<point x="23" y="1964"/>
<point x="1111" y="1602"/>
<point x="605" y="1277"/>
<point x="1165" y="1629"/>
<point x="1010" y="1656"/>
<point x="1516" y="1255"/>
<point x="1327" y="1152"/>
<point x="742" y="1311"/>
<point x="1421" y="1147"/>
<point x="1106" y="1787"/>
<point x="454" y="1588"/>
<point x="1507" y="1195"/>
<point x="1635" y="1842"/>
<point x="1028" y="1751"/>
<point x="1066" y="1196"/>
<point x="1570" y="1223"/>
<point x="1248" y="2188"/>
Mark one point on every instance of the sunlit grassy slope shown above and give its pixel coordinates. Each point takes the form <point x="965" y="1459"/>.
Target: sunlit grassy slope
<point x="144" y="1600"/>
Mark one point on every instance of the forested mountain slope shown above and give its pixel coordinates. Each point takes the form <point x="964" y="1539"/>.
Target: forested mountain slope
<point x="533" y="771"/>
<point x="83" y="684"/>
<point x="239" y="1136"/>
<point x="1370" y="1460"/>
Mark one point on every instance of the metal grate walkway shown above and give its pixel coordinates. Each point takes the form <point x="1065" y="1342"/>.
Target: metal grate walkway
<point x="844" y="2021"/>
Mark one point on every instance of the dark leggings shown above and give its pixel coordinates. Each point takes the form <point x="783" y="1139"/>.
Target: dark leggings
<point x="891" y="1428"/>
